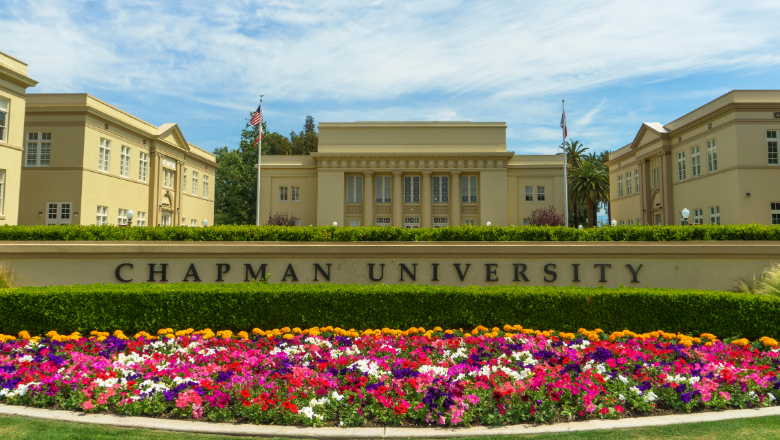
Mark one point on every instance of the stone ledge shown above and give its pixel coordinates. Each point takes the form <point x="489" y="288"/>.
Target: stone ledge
<point x="191" y="426"/>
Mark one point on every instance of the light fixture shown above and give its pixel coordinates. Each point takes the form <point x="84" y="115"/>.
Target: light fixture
<point x="205" y="223"/>
<point x="614" y="222"/>
<point x="488" y="224"/>
<point x="130" y="215"/>
<point x="335" y="223"/>
<point x="40" y="213"/>
<point x="748" y="194"/>
<point x="685" y="214"/>
<point x="579" y="227"/>
<point x="75" y="213"/>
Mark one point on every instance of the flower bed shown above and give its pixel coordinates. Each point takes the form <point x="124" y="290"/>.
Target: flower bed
<point x="327" y="376"/>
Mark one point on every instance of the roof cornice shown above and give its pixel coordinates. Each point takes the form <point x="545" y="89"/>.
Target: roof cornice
<point x="17" y="77"/>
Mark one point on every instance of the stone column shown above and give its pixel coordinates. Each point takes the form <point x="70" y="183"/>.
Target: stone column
<point x="426" y="199"/>
<point x="368" y="198"/>
<point x="178" y="182"/>
<point x="455" y="198"/>
<point x="398" y="199"/>
<point x="155" y="188"/>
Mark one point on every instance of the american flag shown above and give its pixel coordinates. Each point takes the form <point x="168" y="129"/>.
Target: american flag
<point x="257" y="121"/>
<point x="563" y="124"/>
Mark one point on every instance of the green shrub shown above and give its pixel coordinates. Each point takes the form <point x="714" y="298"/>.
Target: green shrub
<point x="134" y="307"/>
<point x="387" y="233"/>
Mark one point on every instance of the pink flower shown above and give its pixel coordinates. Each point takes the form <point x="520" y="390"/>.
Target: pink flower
<point x="87" y="405"/>
<point x="725" y="395"/>
<point x="619" y="409"/>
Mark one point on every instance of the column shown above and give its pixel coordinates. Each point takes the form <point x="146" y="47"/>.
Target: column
<point x="426" y="199"/>
<point x="180" y="195"/>
<point x="643" y="203"/>
<point x="455" y="198"/>
<point x="368" y="198"/>
<point x="398" y="199"/>
<point x="155" y="184"/>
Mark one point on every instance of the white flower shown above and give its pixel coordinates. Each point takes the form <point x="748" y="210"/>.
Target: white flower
<point x="337" y="396"/>
<point x="650" y="397"/>
<point x="622" y="397"/>
<point x="772" y="397"/>
<point x="622" y="379"/>
<point x="635" y="390"/>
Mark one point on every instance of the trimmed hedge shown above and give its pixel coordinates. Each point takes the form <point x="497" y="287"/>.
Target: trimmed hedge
<point x="135" y="307"/>
<point x="389" y="233"/>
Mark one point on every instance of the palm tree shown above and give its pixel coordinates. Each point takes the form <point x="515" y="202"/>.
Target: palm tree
<point x="590" y="184"/>
<point x="575" y="152"/>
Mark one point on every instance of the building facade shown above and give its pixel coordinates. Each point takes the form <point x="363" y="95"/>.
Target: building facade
<point x="412" y="175"/>
<point x="719" y="161"/>
<point x="87" y="162"/>
<point x="13" y="90"/>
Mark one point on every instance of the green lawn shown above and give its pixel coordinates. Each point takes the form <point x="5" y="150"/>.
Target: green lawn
<point x="13" y="428"/>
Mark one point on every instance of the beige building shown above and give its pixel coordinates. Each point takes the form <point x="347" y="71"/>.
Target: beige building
<point x="88" y="162"/>
<point x="410" y="174"/>
<point x="719" y="161"/>
<point x="13" y="89"/>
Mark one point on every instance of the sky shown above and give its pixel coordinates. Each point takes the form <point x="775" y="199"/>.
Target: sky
<point x="203" y="65"/>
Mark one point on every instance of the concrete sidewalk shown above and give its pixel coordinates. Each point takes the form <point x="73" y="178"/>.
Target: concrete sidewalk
<point x="373" y="433"/>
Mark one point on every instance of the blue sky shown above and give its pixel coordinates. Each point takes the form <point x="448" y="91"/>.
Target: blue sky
<point x="203" y="65"/>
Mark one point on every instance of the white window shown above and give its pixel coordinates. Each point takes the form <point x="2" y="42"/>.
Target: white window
<point x="628" y="183"/>
<point x="184" y="180"/>
<point x="382" y="221"/>
<point x="620" y="222"/>
<point x="38" y="150"/>
<point x="58" y="213"/>
<point x="168" y="162"/>
<point x="193" y="223"/>
<point x="695" y="162"/>
<point x="3" y="119"/>
<point x="122" y="217"/>
<point x="714" y="215"/>
<point x="698" y="216"/>
<point x="195" y="183"/>
<point x="354" y="190"/>
<point x="411" y="222"/>
<point x="297" y="222"/>
<point x="169" y="178"/>
<point x="282" y="193"/>
<point x="540" y="194"/>
<point x="468" y="189"/>
<point x="2" y="191"/>
<point x="295" y="194"/>
<point x="143" y="166"/>
<point x="183" y="221"/>
<point x="124" y="162"/>
<point x="104" y="160"/>
<point x="412" y="189"/>
<point x="468" y="222"/>
<point x="441" y="189"/>
<point x="680" y="166"/>
<point x="383" y="189"/>
<point x="620" y="186"/>
<point x="774" y="211"/>
<point x="141" y="219"/>
<point x="205" y="186"/>
<point x="102" y="215"/>
<point x="441" y="222"/>
<point x="629" y="222"/>
<point x="655" y="178"/>
<point x="529" y="193"/>
<point x="166" y="219"/>
<point x="636" y="178"/>
<point x="354" y="223"/>
<point x="712" y="158"/>
<point x="526" y="221"/>
<point x="771" y="146"/>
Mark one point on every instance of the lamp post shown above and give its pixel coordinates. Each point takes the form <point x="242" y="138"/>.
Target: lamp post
<point x="579" y="227"/>
<point x="614" y="222"/>
<point x="205" y="223"/>
<point x="130" y="215"/>
<point x="488" y="224"/>
<point x="685" y="213"/>
<point x="335" y="223"/>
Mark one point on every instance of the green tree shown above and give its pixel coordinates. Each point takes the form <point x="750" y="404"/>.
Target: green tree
<point x="575" y="151"/>
<point x="307" y="140"/>
<point x="236" y="180"/>
<point x="590" y="185"/>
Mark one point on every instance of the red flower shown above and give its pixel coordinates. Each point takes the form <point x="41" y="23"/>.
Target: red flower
<point x="619" y="409"/>
<point x="246" y="402"/>
<point x="604" y="411"/>
<point x="245" y="393"/>
<point x="291" y="406"/>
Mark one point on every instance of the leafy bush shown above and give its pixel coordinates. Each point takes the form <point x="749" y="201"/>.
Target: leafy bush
<point x="7" y="276"/>
<point x="388" y="233"/>
<point x="546" y="217"/>
<point x="134" y="307"/>
<point x="282" y="219"/>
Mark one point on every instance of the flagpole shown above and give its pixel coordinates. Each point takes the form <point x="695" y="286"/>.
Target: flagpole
<point x="259" y="155"/>
<point x="565" y="170"/>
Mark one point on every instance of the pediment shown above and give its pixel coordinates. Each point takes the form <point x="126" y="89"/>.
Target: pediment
<point x="648" y="133"/>
<point x="172" y="135"/>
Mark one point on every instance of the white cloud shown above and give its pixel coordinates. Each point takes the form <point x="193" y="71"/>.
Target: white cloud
<point x="487" y="60"/>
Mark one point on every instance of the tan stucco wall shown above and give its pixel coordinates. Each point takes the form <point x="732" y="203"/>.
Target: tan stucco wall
<point x="698" y="265"/>
<point x="738" y="122"/>
<point x="77" y="122"/>
<point x="330" y="198"/>
<point x="13" y="88"/>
